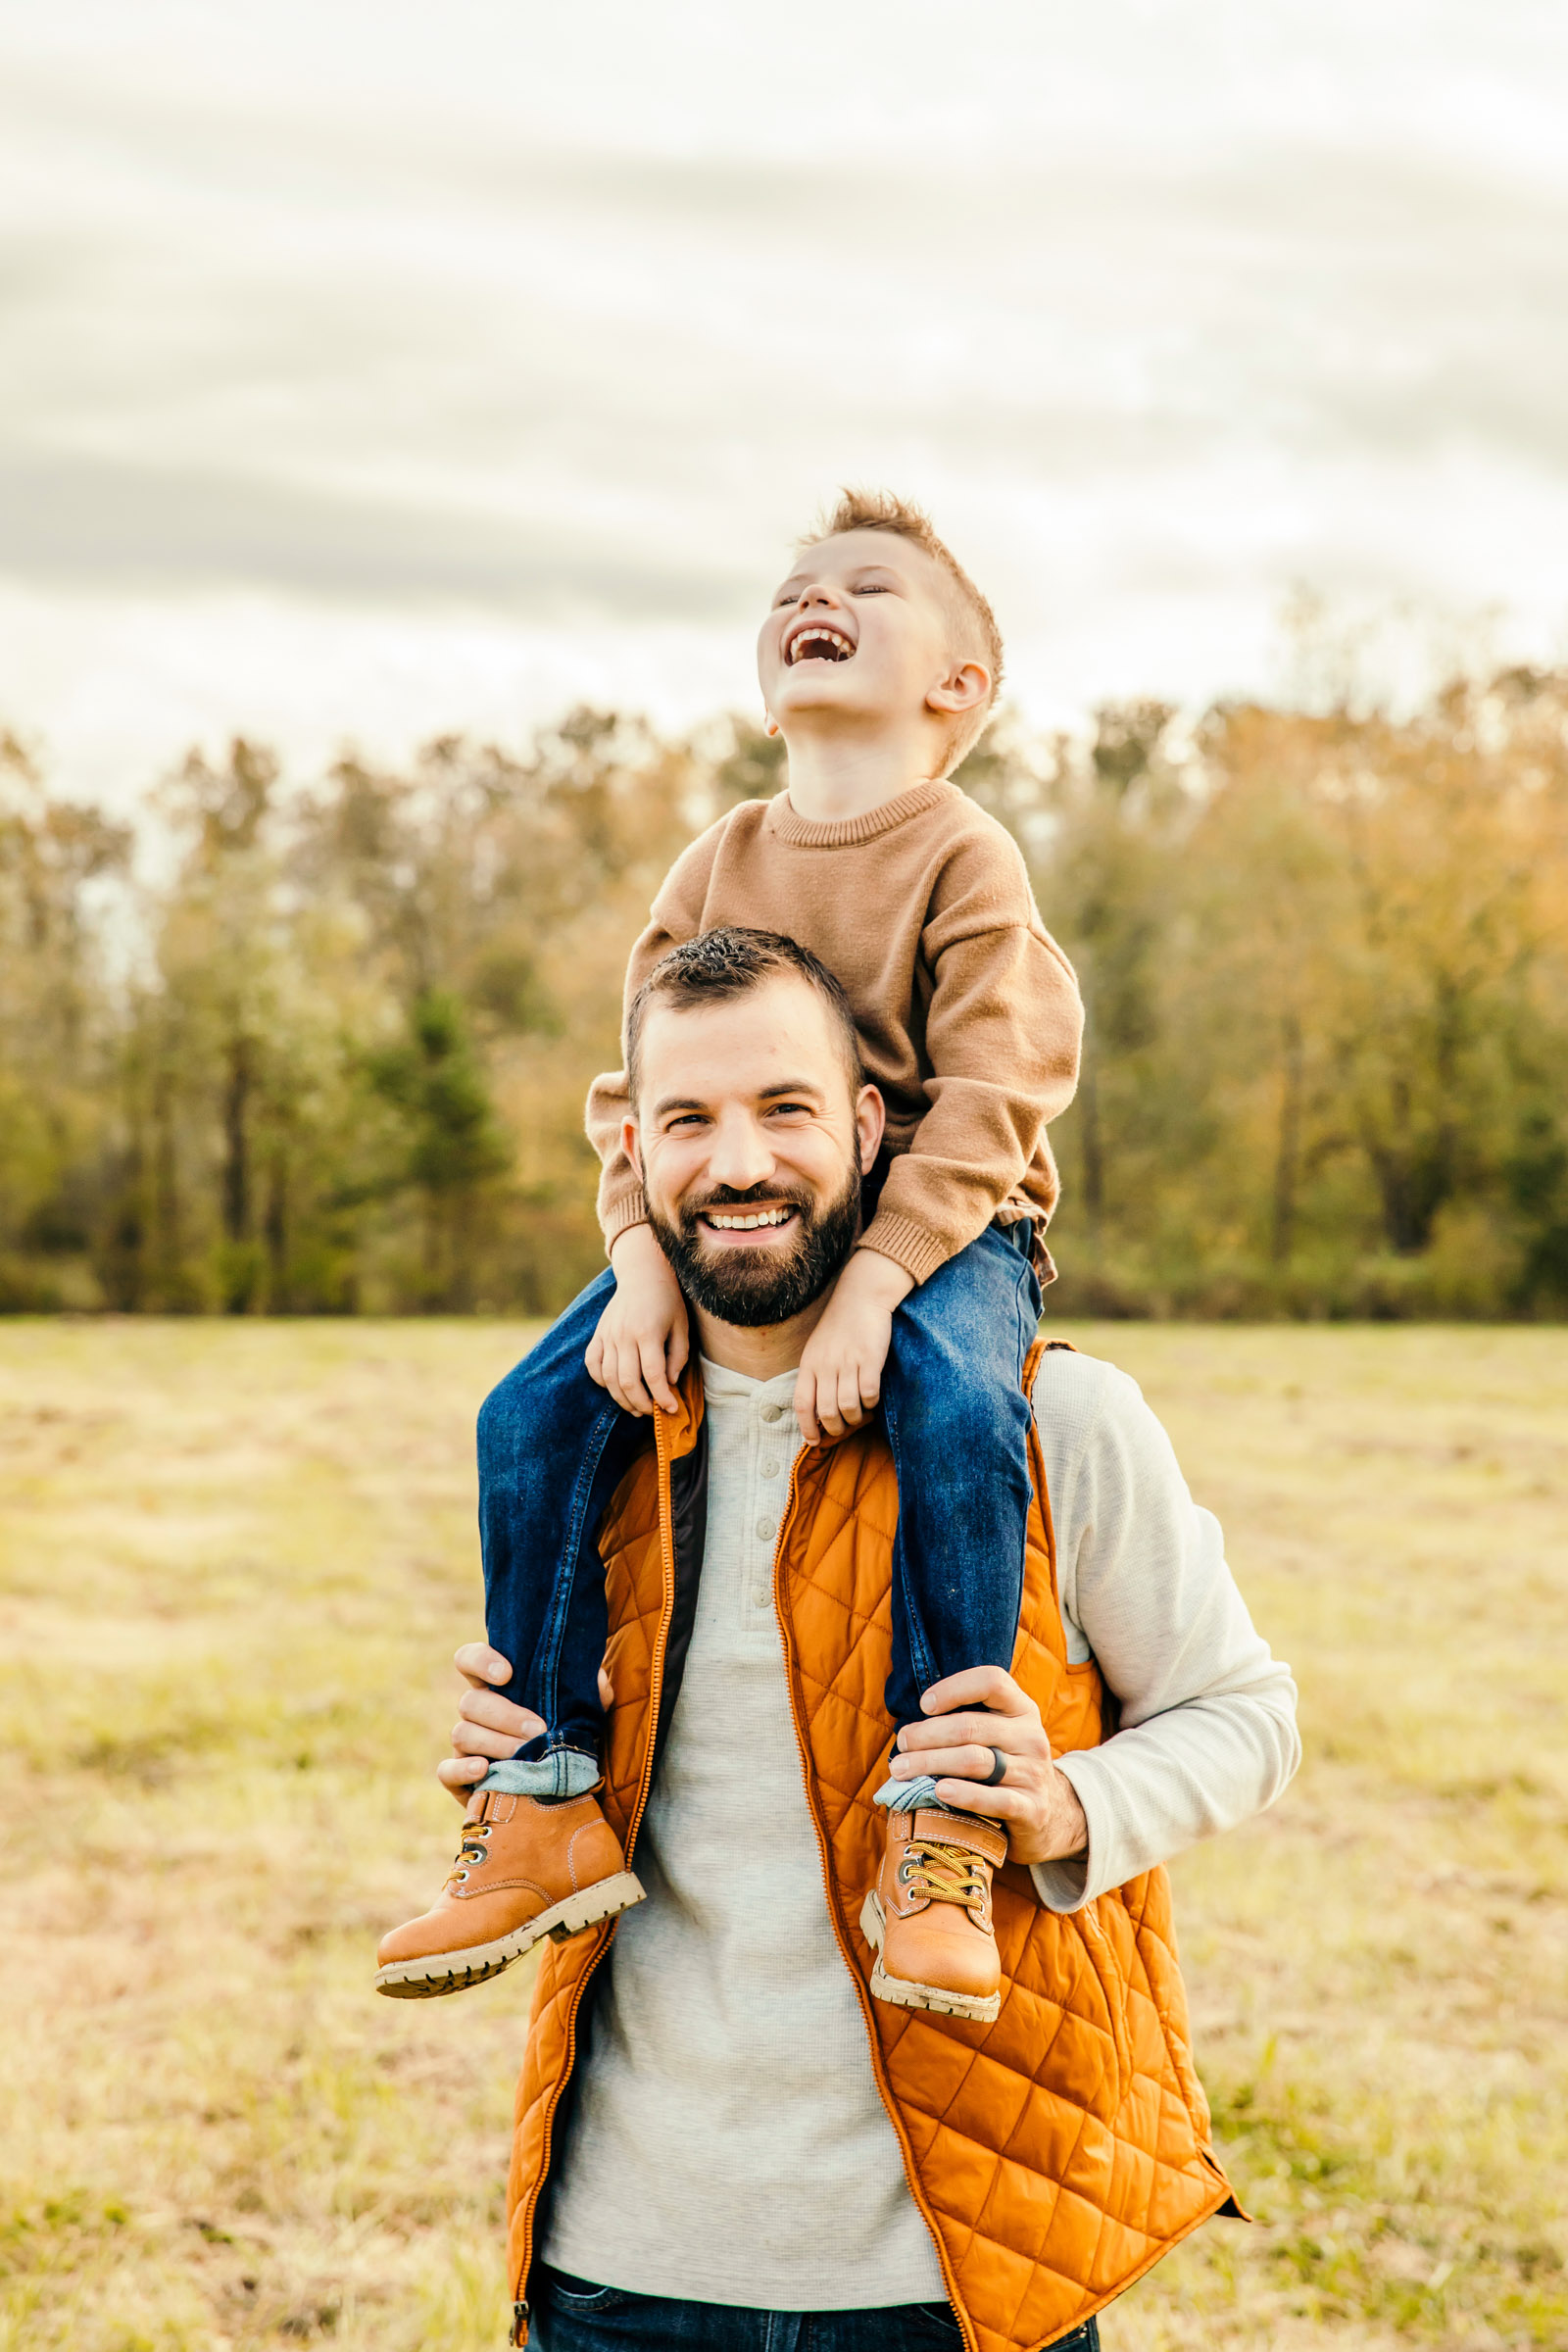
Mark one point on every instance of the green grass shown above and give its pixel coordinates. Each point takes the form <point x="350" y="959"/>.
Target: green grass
<point x="234" y="1561"/>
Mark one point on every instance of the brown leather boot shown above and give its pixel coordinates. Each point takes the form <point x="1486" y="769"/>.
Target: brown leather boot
<point x="928" y="1917"/>
<point x="524" y="1871"/>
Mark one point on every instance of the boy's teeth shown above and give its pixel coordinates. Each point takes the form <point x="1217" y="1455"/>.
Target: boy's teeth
<point x="842" y="648"/>
<point x="766" y="1216"/>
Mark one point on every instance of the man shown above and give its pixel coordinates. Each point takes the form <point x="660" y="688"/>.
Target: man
<point x="723" y="2140"/>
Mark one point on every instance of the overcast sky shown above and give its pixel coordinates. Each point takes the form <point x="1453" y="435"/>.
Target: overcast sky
<point x="368" y="370"/>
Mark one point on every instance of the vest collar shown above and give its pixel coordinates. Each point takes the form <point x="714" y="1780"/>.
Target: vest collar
<point x="675" y="1434"/>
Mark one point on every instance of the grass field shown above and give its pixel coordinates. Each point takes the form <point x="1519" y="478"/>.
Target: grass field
<point x="234" y="1562"/>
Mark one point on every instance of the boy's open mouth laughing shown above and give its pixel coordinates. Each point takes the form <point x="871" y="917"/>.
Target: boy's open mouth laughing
<point x="817" y="641"/>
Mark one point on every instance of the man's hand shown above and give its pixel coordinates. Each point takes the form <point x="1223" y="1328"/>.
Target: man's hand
<point x="640" y="1348"/>
<point x="840" y="1378"/>
<point x="490" y="1728"/>
<point x="1045" y="1822"/>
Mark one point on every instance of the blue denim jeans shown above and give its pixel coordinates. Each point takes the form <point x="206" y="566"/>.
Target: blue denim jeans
<point x="957" y="1421"/>
<point x="573" y="2316"/>
<point x="552" y="1448"/>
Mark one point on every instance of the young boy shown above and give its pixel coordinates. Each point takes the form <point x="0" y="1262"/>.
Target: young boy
<point x="879" y="664"/>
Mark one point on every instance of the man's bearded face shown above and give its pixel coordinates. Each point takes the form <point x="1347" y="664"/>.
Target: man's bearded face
<point x="756" y="1287"/>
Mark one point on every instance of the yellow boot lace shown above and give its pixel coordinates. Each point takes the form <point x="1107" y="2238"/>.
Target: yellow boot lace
<point x="473" y="1851"/>
<point x="945" y="1873"/>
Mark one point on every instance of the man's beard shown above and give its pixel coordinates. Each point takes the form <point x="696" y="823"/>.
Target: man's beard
<point x="757" y="1287"/>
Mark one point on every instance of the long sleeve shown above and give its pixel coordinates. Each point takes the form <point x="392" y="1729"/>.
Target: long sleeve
<point x="1002" y="1034"/>
<point x="676" y="915"/>
<point x="1207" y="1714"/>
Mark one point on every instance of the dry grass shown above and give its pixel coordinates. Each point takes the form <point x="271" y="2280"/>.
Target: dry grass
<point x="233" y="1562"/>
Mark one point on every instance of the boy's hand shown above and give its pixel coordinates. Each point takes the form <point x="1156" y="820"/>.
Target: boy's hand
<point x="490" y="1728"/>
<point x="640" y="1348"/>
<point x="841" y="1372"/>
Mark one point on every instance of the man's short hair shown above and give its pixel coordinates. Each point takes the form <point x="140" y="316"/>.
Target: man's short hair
<point x="977" y="635"/>
<point x="730" y="963"/>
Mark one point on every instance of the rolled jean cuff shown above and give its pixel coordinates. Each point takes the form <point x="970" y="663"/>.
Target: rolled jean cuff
<point x="908" y="1797"/>
<point x="564" y="1772"/>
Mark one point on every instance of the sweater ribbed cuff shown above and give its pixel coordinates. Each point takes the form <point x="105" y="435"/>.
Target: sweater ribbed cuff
<point x="1061" y="1886"/>
<point x="913" y="1246"/>
<point x="621" y="1216"/>
<point x="1067" y="1886"/>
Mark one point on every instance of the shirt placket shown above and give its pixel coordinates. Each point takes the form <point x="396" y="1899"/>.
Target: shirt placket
<point x="770" y="1459"/>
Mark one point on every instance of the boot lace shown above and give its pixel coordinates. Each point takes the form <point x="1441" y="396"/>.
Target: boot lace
<point x="945" y="1873"/>
<point x="473" y="1851"/>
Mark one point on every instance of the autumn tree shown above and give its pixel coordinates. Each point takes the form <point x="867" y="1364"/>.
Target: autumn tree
<point x="335" y="1059"/>
<point x="57" y="1029"/>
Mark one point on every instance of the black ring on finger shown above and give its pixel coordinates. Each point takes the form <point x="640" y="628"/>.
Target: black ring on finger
<point x="998" y="1773"/>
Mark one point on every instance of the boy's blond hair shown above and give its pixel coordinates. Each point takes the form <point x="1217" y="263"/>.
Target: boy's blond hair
<point x="974" y="621"/>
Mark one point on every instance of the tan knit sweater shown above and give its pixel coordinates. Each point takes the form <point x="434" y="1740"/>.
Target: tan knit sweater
<point x="968" y="1013"/>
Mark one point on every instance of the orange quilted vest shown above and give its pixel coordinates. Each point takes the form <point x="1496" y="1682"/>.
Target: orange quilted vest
<point x="1055" y="2154"/>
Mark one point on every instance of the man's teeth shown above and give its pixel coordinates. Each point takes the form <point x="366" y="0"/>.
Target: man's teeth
<point x="840" y="647"/>
<point x="749" y="1224"/>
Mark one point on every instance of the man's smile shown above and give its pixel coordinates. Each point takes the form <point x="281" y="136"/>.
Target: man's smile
<point x="732" y="1223"/>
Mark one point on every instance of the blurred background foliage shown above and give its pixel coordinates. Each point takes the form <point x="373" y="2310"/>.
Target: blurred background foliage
<point x="332" y="1058"/>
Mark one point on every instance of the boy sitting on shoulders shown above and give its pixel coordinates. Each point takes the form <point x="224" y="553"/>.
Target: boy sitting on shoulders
<point x="879" y="663"/>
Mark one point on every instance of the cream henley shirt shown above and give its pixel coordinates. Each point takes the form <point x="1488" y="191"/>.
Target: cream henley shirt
<point x="728" y="2143"/>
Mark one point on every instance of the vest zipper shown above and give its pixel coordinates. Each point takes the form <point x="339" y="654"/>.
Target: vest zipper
<point x="878" y="2068"/>
<point x="606" y="1932"/>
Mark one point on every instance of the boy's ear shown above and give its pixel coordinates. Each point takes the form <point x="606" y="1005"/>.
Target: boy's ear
<point x="770" y="725"/>
<point x="630" y="1145"/>
<point x="962" y="689"/>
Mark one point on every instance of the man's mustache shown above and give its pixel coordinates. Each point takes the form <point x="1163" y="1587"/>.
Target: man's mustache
<point x="751" y="1196"/>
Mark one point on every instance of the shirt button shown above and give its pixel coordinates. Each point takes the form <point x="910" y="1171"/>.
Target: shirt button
<point x="770" y="1469"/>
<point x="772" y="1414"/>
<point x="761" y="1596"/>
<point x="765" y="1528"/>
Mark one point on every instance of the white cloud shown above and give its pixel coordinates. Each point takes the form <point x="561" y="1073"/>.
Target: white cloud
<point x="366" y="370"/>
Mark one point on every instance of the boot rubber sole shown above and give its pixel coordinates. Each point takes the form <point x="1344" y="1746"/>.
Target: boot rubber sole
<point x="431" y="1974"/>
<point x="904" y="1992"/>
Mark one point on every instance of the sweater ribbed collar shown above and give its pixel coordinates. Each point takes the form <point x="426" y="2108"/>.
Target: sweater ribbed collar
<point x="810" y="833"/>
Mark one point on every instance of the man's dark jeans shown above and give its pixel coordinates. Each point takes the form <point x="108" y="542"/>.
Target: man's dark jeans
<point x="571" y="2316"/>
<point x="552" y="1448"/>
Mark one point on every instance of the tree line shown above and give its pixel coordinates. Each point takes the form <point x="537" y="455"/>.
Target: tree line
<point x="332" y="1058"/>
